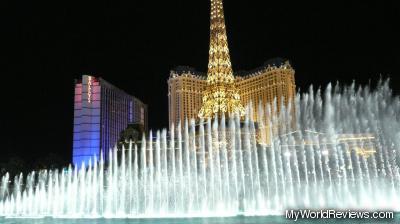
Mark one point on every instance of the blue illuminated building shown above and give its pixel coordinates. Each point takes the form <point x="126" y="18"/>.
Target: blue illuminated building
<point x="101" y="112"/>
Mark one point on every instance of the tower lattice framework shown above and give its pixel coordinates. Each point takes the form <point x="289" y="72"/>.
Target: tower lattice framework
<point x="221" y="95"/>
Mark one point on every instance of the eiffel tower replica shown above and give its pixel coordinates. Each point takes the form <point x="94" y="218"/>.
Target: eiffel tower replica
<point x="221" y="95"/>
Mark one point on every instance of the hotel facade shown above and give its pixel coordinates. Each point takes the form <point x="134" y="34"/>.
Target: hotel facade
<point x="101" y="112"/>
<point x="274" y="80"/>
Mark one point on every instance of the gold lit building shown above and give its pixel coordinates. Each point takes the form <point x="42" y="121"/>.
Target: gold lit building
<point x="273" y="80"/>
<point x="185" y="91"/>
<point x="192" y="94"/>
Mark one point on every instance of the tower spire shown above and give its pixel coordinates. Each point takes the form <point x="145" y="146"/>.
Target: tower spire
<point x="221" y="95"/>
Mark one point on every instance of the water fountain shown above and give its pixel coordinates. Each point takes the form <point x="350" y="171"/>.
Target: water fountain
<point x="337" y="149"/>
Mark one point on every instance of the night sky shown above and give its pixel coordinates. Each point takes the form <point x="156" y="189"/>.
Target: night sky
<point x="45" y="45"/>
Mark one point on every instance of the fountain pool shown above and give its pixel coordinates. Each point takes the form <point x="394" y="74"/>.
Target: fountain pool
<point x="337" y="148"/>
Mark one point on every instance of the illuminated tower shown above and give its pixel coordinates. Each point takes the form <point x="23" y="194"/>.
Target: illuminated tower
<point x="221" y="95"/>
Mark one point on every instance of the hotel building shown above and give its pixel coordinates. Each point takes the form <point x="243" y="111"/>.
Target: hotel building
<point x="101" y="113"/>
<point x="274" y="80"/>
<point x="185" y="92"/>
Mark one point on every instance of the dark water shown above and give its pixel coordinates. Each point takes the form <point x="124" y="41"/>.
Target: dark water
<point x="227" y="220"/>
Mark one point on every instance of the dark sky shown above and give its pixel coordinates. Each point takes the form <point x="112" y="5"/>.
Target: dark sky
<point x="45" y="45"/>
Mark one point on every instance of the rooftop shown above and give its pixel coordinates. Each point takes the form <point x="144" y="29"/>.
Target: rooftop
<point x="270" y="64"/>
